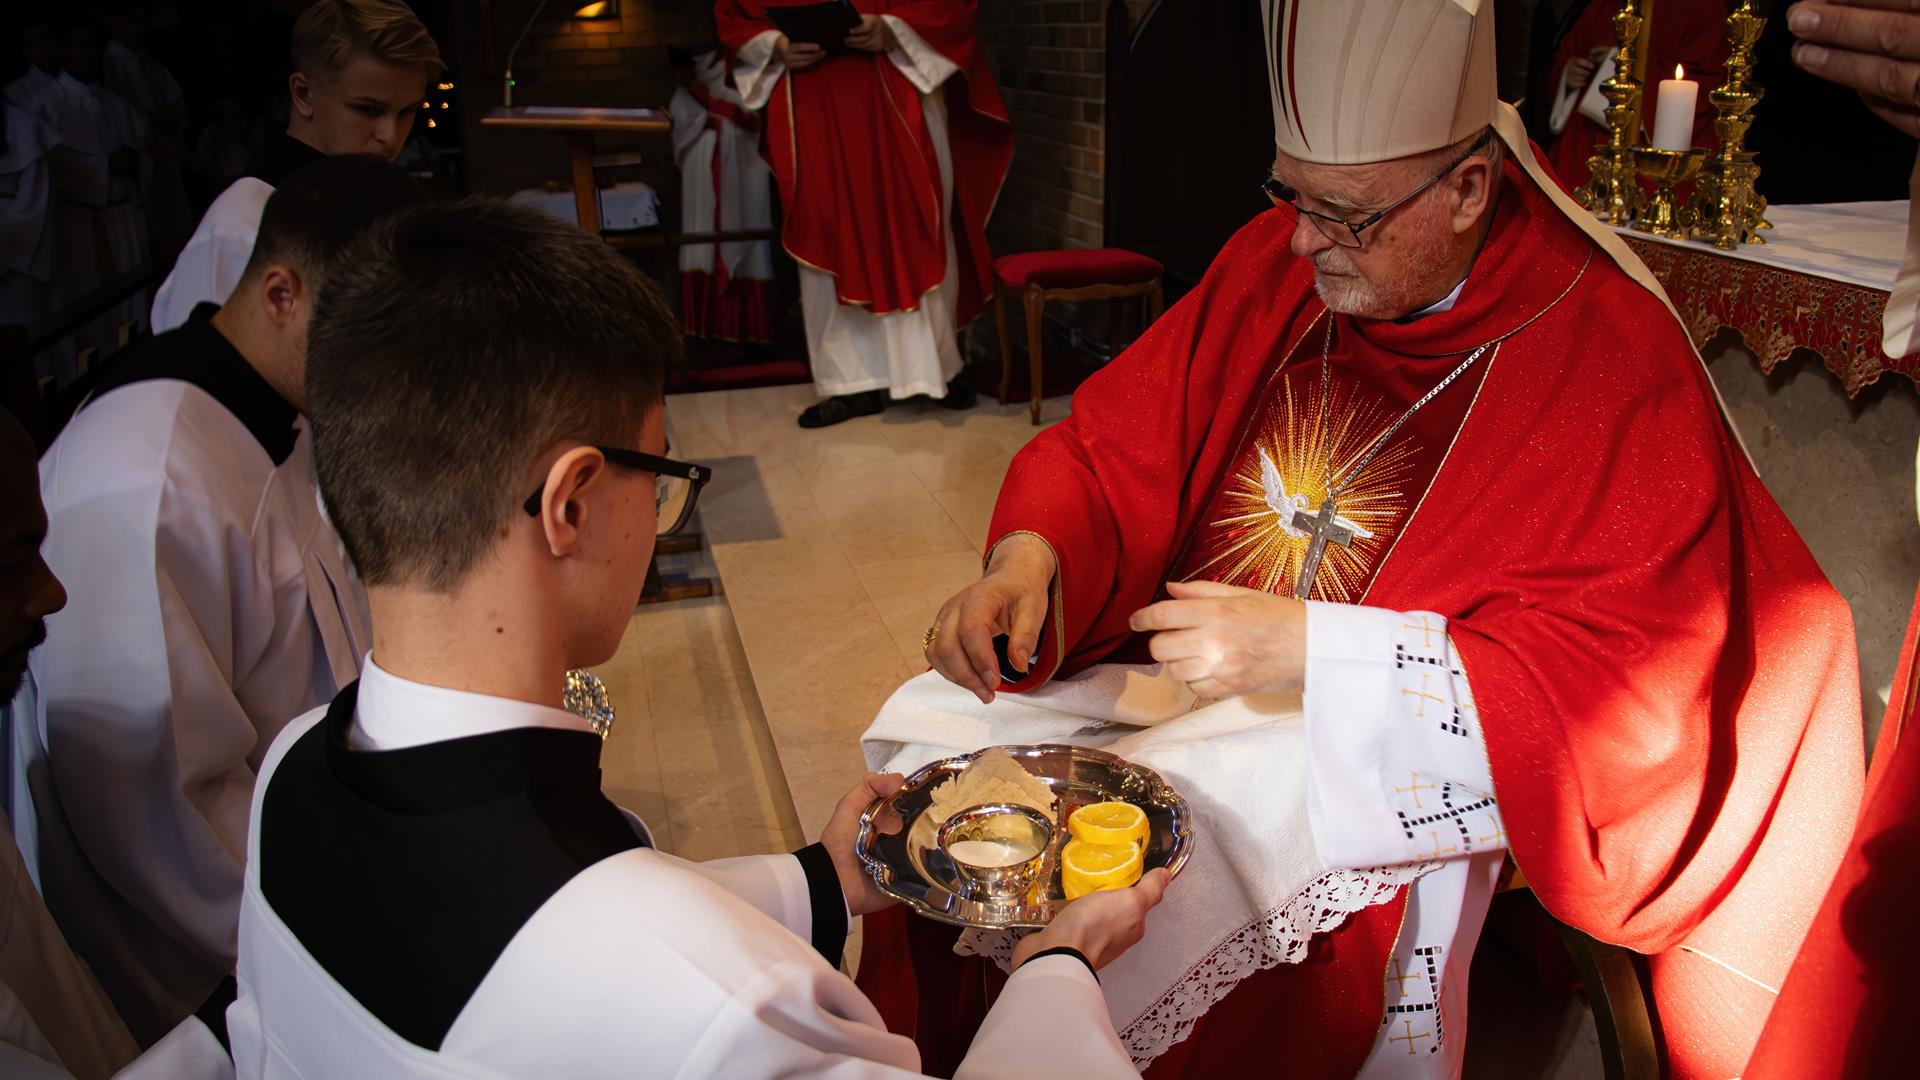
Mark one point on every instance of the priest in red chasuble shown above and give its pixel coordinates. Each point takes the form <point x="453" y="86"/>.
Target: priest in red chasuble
<point x="889" y="150"/>
<point x="1431" y="447"/>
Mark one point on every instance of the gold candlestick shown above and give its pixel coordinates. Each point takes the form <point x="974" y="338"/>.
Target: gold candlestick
<point x="1726" y="208"/>
<point x="1663" y="216"/>
<point x="1612" y="190"/>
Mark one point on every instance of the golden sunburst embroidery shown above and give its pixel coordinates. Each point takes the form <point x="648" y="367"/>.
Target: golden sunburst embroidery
<point x="1251" y="540"/>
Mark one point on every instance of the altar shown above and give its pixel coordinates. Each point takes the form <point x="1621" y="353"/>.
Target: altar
<point x="1819" y="282"/>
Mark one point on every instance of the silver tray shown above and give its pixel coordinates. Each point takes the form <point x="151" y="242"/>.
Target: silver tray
<point x="910" y="867"/>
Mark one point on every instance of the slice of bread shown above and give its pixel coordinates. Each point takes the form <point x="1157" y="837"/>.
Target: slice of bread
<point x="993" y="777"/>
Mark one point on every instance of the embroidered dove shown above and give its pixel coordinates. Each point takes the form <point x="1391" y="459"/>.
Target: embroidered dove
<point x="1284" y="504"/>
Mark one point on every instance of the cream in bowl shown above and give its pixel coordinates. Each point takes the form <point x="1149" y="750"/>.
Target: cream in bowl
<point x="996" y="849"/>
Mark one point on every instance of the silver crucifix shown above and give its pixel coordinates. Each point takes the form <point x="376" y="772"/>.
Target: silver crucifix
<point x="1322" y="527"/>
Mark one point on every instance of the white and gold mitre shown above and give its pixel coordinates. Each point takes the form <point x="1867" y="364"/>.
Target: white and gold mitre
<point x="1362" y="81"/>
<point x="1359" y="81"/>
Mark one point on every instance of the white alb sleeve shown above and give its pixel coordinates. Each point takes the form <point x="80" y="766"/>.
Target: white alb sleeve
<point x="1397" y="761"/>
<point x="1051" y="1020"/>
<point x="924" y="66"/>
<point x="757" y="71"/>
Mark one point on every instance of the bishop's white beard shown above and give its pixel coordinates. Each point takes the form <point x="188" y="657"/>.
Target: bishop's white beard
<point x="1396" y="292"/>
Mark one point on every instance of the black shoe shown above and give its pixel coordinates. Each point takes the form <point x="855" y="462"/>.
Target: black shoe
<point x="842" y="408"/>
<point x="959" y="396"/>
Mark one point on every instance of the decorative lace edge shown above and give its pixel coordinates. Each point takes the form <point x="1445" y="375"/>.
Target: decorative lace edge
<point x="1280" y="936"/>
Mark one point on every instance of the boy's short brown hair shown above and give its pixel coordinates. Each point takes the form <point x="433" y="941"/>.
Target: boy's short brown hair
<point x="319" y="208"/>
<point x="330" y="33"/>
<point x="452" y="346"/>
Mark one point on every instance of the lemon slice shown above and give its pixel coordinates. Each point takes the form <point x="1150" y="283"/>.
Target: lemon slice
<point x="1089" y="868"/>
<point x="1109" y="823"/>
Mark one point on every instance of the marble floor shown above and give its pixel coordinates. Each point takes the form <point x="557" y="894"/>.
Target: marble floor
<point x="835" y="548"/>
<point x="739" y="715"/>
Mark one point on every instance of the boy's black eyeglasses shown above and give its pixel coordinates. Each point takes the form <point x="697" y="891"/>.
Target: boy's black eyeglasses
<point x="676" y="487"/>
<point x="1347" y="233"/>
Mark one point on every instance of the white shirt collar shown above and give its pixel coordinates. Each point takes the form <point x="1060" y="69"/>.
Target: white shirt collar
<point x="1445" y="303"/>
<point x="393" y="713"/>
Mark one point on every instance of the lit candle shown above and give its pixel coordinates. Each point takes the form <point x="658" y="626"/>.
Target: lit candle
<point x="1673" y="115"/>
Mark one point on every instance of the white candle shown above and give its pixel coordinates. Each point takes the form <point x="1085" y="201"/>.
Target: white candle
<point x="1673" y="115"/>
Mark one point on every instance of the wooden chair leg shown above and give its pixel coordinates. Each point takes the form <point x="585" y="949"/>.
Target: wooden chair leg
<point x="1156" y="301"/>
<point x="1622" y="1016"/>
<point x="1114" y="308"/>
<point x="1006" y="344"/>
<point x="1036" y="298"/>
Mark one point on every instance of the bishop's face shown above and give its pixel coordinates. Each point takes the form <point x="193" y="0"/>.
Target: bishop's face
<point x="367" y="108"/>
<point x="1404" y="261"/>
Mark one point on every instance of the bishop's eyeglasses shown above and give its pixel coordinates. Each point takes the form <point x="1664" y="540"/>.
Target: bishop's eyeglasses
<point x="1347" y="233"/>
<point x="676" y="487"/>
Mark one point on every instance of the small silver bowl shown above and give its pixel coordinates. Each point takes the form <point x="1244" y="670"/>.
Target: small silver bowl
<point x="1004" y="825"/>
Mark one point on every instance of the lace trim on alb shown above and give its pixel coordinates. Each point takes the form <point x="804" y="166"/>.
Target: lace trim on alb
<point x="1279" y="937"/>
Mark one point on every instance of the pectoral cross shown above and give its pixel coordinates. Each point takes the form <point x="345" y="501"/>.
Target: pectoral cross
<point x="1322" y="527"/>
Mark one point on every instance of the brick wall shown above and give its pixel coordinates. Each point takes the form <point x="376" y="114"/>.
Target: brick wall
<point x="1049" y="56"/>
<point x="566" y="61"/>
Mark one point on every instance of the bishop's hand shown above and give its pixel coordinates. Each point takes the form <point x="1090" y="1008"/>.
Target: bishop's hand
<point x="1011" y="599"/>
<point x="1224" y="641"/>
<point x="797" y="56"/>
<point x="863" y="896"/>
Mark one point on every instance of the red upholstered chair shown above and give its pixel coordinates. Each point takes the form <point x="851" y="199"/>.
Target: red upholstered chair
<point x="1081" y="274"/>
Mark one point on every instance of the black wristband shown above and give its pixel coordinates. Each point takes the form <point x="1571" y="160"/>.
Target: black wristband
<point x="1066" y="950"/>
<point x="829" y="903"/>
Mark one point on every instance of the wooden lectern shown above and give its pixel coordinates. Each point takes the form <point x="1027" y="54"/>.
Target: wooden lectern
<point x="579" y="125"/>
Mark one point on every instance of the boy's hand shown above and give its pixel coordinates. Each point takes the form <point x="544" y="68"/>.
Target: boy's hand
<point x="1100" y="925"/>
<point x="863" y="896"/>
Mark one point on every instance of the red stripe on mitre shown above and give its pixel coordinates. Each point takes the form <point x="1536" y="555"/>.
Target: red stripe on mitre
<point x="1293" y="86"/>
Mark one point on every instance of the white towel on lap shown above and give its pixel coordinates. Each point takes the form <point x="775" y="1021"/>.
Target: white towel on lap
<point x="1253" y="891"/>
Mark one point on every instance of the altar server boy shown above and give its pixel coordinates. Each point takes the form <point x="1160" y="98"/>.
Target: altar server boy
<point x="210" y="603"/>
<point x="361" y="72"/>
<point x="437" y="886"/>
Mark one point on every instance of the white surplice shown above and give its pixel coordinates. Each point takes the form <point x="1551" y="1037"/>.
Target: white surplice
<point x="853" y="350"/>
<point x="99" y="226"/>
<point x="209" y="601"/>
<point x="745" y="196"/>
<point x="55" y="1020"/>
<point x="215" y="256"/>
<point x="51" y="1008"/>
<point x="26" y="217"/>
<point x="26" y="90"/>
<point x="639" y="964"/>
<point x="143" y="81"/>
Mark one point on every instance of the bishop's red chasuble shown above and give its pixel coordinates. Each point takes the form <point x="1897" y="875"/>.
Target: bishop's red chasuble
<point x="1666" y="680"/>
<point x="855" y="163"/>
